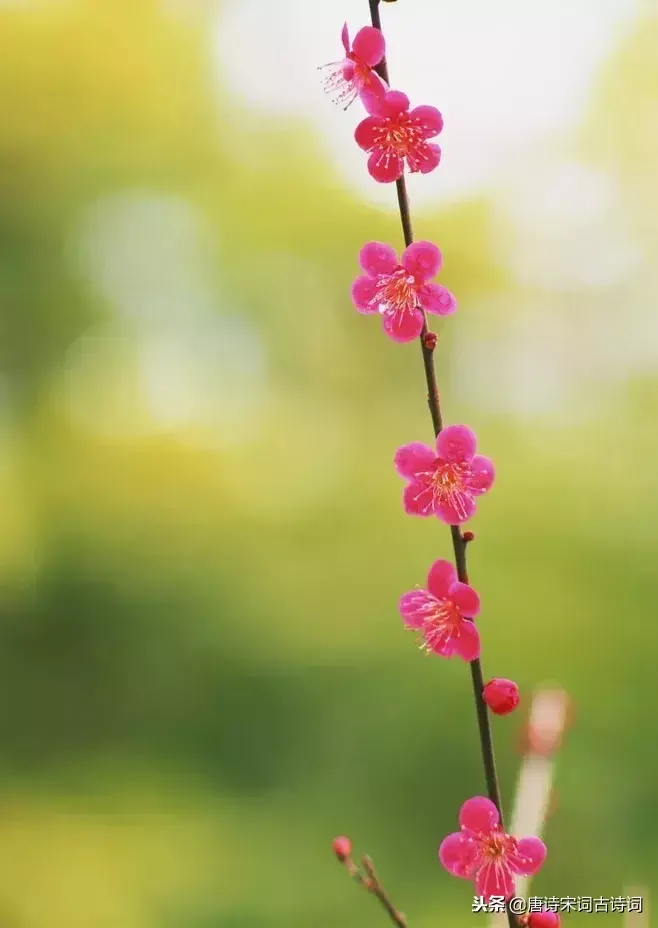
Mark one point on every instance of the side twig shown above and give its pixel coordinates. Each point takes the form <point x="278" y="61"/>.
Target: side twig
<point x="366" y="876"/>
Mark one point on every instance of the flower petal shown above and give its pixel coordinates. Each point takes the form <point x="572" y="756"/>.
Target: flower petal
<point x="403" y="326"/>
<point x="437" y="299"/>
<point x="364" y="294"/>
<point x="369" y="45"/>
<point x="495" y="879"/>
<point x="418" y="499"/>
<point x="530" y="855"/>
<point x="441" y="642"/>
<point x="422" y="259"/>
<point x="483" y="475"/>
<point x="479" y="814"/>
<point x="415" y="606"/>
<point x="372" y="94"/>
<point x="429" y="119"/>
<point x="345" y="38"/>
<point x="456" y="443"/>
<point x="458" y="853"/>
<point x="396" y="102"/>
<point x="466" y="643"/>
<point x="384" y="166"/>
<point x="453" y="515"/>
<point x="441" y="577"/>
<point x="414" y="459"/>
<point x="430" y="160"/>
<point x="378" y="258"/>
<point x="465" y="598"/>
<point x="366" y="132"/>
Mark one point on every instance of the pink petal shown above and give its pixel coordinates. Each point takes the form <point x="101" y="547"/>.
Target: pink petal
<point x="418" y="499"/>
<point x="458" y="853"/>
<point x="441" y="577"/>
<point x="437" y="299"/>
<point x="396" y="102"/>
<point x="483" y="474"/>
<point x="372" y="94"/>
<point x="377" y="258"/>
<point x="467" y="641"/>
<point x="443" y="643"/>
<point x="431" y="159"/>
<point x="422" y="259"/>
<point x="479" y="814"/>
<point x="384" y="166"/>
<point x="429" y="119"/>
<point x="465" y="598"/>
<point x="349" y="70"/>
<point x="452" y="515"/>
<point x="495" y="879"/>
<point x="414" y="459"/>
<point x="403" y="326"/>
<point x="456" y="443"/>
<point x="414" y="607"/>
<point x="369" y="45"/>
<point x="530" y="855"/>
<point x="365" y="132"/>
<point x="345" y="38"/>
<point x="364" y="294"/>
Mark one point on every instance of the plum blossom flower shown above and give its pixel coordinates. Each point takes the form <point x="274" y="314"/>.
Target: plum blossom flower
<point x="400" y="290"/>
<point x="354" y="76"/>
<point x="444" y="483"/>
<point x="442" y="613"/>
<point x="394" y="134"/>
<point x="481" y="851"/>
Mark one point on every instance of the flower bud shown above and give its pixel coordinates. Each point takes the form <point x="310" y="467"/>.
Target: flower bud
<point x="544" y="920"/>
<point x="501" y="695"/>
<point x="342" y="847"/>
<point x="429" y="340"/>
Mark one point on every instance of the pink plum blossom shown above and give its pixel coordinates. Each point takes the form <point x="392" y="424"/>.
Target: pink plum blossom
<point x="354" y="76"/>
<point x="445" y="482"/>
<point x="393" y="134"/>
<point x="442" y="613"/>
<point x="400" y="290"/>
<point x="481" y="851"/>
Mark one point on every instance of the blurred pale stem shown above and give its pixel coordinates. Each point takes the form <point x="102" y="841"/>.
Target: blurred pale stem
<point x="638" y="919"/>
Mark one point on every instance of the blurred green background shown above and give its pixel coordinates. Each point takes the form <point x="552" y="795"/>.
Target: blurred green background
<point x="203" y="676"/>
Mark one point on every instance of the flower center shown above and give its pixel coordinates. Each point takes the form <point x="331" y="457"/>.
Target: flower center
<point x="450" y="485"/>
<point x="442" y="623"/>
<point x="494" y="847"/>
<point x="395" y="293"/>
<point x="401" y="136"/>
<point x="346" y="79"/>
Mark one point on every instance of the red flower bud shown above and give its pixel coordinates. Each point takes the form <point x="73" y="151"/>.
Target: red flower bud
<point x="429" y="340"/>
<point x="502" y="696"/>
<point x="544" y="920"/>
<point x="468" y="536"/>
<point x="342" y="847"/>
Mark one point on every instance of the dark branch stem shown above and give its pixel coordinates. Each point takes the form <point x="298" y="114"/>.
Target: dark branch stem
<point x="458" y="543"/>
